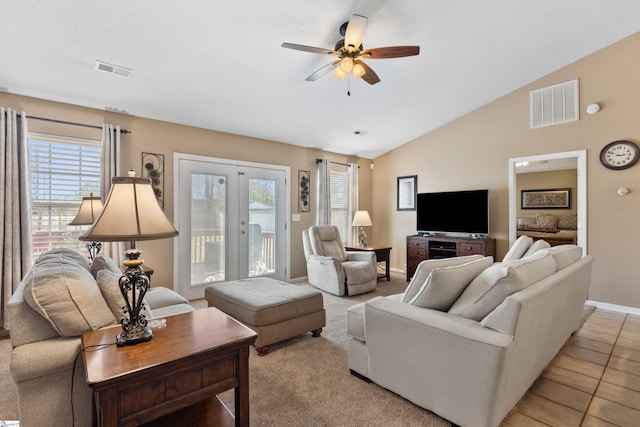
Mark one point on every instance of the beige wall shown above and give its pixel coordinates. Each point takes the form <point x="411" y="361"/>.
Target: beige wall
<point x="567" y="178"/>
<point x="166" y="138"/>
<point x="473" y="151"/>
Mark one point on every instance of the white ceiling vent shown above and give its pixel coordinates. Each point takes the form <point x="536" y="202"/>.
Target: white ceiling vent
<point x="555" y="104"/>
<point x="114" y="69"/>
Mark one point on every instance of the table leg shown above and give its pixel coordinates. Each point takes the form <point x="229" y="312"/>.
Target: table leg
<point x="242" y="391"/>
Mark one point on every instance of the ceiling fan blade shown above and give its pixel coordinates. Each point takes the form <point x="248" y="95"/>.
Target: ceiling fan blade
<point x="356" y="29"/>
<point x="370" y="76"/>
<point x="322" y="71"/>
<point x="391" y="52"/>
<point x="308" y="48"/>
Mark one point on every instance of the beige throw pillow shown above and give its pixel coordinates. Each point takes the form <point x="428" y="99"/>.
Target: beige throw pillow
<point x="565" y="255"/>
<point x="490" y="288"/>
<point x="62" y="290"/>
<point x="444" y="285"/>
<point x="425" y="268"/>
<point x="536" y="246"/>
<point x="108" y="282"/>
<point x="102" y="262"/>
<point x="519" y="247"/>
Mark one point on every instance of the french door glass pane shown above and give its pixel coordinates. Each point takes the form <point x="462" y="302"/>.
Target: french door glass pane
<point x="208" y="218"/>
<point x="262" y="226"/>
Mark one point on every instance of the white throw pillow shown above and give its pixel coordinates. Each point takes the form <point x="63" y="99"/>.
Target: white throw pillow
<point x="565" y="255"/>
<point x="490" y="288"/>
<point x="518" y="248"/>
<point x="444" y="285"/>
<point x="108" y="282"/>
<point x="536" y="246"/>
<point x="424" y="269"/>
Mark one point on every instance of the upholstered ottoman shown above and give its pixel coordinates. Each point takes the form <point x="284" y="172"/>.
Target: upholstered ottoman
<point x="275" y="310"/>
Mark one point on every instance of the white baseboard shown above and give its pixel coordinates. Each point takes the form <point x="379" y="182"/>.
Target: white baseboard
<point x="614" y="307"/>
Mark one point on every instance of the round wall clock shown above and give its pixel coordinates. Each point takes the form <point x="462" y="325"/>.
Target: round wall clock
<point x="619" y="155"/>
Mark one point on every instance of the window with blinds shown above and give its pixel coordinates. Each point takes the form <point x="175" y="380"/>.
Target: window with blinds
<point x="63" y="170"/>
<point x="340" y="203"/>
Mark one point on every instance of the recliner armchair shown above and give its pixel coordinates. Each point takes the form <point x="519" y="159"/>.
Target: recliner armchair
<point x="332" y="268"/>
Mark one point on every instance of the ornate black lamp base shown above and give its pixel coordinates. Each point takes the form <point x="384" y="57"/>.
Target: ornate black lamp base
<point x="133" y="286"/>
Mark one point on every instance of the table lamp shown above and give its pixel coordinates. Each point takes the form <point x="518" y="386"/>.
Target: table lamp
<point x="361" y="219"/>
<point x="90" y="209"/>
<point x="132" y="213"/>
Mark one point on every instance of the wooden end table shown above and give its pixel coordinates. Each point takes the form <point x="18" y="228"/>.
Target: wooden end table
<point x="382" y="254"/>
<point x="175" y="376"/>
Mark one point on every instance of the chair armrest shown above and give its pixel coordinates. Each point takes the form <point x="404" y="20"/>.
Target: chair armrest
<point x="326" y="273"/>
<point x="361" y="256"/>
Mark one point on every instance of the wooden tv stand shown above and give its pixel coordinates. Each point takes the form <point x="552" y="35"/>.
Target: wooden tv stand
<point x="420" y="248"/>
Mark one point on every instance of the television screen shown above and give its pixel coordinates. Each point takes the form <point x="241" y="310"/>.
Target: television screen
<point x="453" y="212"/>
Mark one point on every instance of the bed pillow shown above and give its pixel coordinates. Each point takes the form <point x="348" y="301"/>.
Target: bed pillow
<point x="547" y="222"/>
<point x="444" y="285"/>
<point x="568" y="222"/>
<point x="490" y="288"/>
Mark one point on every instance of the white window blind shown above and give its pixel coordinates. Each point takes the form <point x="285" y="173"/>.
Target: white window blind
<point x="340" y="203"/>
<point x="63" y="170"/>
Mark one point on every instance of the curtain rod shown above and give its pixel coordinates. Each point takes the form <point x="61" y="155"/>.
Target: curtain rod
<point x="337" y="163"/>
<point x="124" y="131"/>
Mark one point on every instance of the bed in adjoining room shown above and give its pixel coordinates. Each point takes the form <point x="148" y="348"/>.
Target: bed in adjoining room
<point x="555" y="229"/>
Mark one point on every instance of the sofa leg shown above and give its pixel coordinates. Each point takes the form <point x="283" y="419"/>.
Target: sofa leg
<point x="262" y="351"/>
<point x="316" y="332"/>
<point x="359" y="375"/>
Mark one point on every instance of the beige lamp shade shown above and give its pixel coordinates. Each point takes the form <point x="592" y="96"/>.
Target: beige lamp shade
<point x="362" y="219"/>
<point x="89" y="211"/>
<point x="131" y="213"/>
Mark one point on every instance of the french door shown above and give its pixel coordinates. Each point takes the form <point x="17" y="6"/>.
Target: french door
<point x="232" y="221"/>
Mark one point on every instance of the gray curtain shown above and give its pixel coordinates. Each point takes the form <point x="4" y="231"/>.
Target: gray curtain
<point x="110" y="162"/>
<point x="15" y="207"/>
<point x="354" y="203"/>
<point x="324" y="192"/>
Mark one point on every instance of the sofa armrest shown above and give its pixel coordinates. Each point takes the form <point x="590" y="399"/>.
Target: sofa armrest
<point x="445" y="363"/>
<point x="158" y="297"/>
<point x="42" y="358"/>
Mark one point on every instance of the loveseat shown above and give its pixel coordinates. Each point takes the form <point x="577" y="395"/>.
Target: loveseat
<point x="59" y="299"/>
<point x="469" y="337"/>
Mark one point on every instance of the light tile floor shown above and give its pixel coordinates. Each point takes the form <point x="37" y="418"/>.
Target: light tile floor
<point x="593" y="381"/>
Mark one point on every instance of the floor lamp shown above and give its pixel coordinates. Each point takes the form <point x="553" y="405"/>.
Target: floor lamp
<point x="132" y="213"/>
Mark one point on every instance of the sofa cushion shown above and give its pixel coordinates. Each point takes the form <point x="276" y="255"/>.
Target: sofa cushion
<point x="547" y="222"/>
<point x="444" y="285"/>
<point x="490" y="288"/>
<point x="67" y="255"/>
<point x="536" y="246"/>
<point x="425" y="268"/>
<point x="102" y="262"/>
<point x="108" y="282"/>
<point x="63" y="291"/>
<point x="564" y="255"/>
<point x="518" y="249"/>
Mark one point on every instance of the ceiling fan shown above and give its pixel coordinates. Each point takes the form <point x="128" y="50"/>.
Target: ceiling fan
<point x="350" y="53"/>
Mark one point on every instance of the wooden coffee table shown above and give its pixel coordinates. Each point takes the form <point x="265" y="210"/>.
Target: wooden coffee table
<point x="175" y="377"/>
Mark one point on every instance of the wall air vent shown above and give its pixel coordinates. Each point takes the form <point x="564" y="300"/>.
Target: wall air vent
<point x="555" y="104"/>
<point x="113" y="69"/>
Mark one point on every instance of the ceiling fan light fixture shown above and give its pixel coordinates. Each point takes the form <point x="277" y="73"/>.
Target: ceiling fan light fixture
<point x="346" y="64"/>
<point x="356" y="28"/>
<point x="339" y="73"/>
<point x="358" y="70"/>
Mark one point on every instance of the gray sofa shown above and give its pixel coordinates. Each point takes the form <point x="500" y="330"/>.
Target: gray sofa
<point x="468" y="338"/>
<point x="59" y="299"/>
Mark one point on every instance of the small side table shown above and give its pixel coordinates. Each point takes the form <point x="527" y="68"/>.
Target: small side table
<point x="382" y="254"/>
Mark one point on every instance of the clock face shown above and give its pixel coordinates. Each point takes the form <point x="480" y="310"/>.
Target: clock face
<point x="619" y="155"/>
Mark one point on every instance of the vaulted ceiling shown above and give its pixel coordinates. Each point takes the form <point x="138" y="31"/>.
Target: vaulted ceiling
<point x="219" y="64"/>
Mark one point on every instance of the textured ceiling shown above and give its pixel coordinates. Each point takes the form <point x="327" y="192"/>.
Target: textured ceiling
<point x="219" y="65"/>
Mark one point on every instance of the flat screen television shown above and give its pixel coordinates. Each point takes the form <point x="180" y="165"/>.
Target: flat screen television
<point x="453" y="212"/>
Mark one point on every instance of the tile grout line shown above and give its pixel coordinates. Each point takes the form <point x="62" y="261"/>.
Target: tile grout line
<point x="613" y="347"/>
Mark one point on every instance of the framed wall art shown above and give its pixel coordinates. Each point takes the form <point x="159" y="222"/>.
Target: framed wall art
<point x="407" y="189"/>
<point x="304" y="189"/>
<point x="558" y="198"/>
<point x="153" y="168"/>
